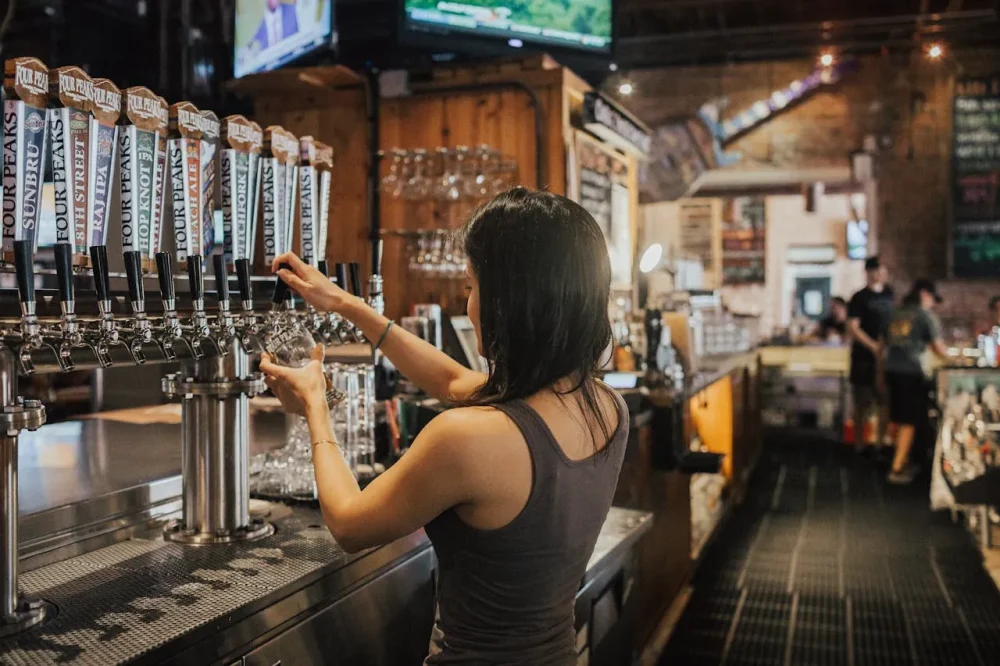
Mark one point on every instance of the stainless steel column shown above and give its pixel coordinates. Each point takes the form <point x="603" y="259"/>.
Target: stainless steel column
<point x="215" y="449"/>
<point x="16" y="614"/>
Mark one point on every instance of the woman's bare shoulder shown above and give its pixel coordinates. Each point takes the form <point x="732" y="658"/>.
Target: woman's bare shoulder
<point x="476" y="423"/>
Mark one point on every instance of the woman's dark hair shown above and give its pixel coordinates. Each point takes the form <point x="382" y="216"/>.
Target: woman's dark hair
<point x="544" y="277"/>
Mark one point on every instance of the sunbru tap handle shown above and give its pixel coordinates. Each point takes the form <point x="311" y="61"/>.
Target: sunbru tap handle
<point x="243" y="280"/>
<point x="196" y="278"/>
<point x="24" y="265"/>
<point x="341" y="277"/>
<point x="64" y="273"/>
<point x="355" y="278"/>
<point x="281" y="291"/>
<point x="165" y="275"/>
<point x="102" y="277"/>
<point x="221" y="278"/>
<point x="133" y="273"/>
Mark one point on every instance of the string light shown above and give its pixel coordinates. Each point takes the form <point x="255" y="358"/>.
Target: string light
<point x="826" y="59"/>
<point x="626" y="89"/>
<point x="935" y="51"/>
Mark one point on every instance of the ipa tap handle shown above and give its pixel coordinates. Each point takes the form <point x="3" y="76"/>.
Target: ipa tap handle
<point x="102" y="276"/>
<point x="133" y="274"/>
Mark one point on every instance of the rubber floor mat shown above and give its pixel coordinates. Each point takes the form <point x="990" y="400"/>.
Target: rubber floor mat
<point x="825" y="564"/>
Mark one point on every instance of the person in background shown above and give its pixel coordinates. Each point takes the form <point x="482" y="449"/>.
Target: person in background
<point x="279" y="22"/>
<point x="913" y="332"/>
<point x="868" y="314"/>
<point x="832" y="328"/>
<point x="994" y="312"/>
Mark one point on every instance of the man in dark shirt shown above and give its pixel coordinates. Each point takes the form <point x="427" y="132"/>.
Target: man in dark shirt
<point x="868" y="316"/>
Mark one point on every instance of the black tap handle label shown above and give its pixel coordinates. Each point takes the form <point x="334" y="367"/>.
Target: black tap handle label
<point x="196" y="277"/>
<point x="377" y="249"/>
<point x="24" y="266"/>
<point x="102" y="276"/>
<point x="165" y="276"/>
<point x="243" y="279"/>
<point x="323" y="267"/>
<point x="64" y="271"/>
<point x="221" y="278"/>
<point x="133" y="272"/>
<point x="355" y="278"/>
<point x="341" y="278"/>
<point x="280" y="288"/>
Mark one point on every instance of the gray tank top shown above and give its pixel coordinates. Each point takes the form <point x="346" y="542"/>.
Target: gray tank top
<point x="506" y="596"/>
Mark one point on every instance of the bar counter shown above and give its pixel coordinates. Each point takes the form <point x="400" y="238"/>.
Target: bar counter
<point x="94" y="496"/>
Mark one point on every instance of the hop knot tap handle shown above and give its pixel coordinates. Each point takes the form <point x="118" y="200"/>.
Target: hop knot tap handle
<point x="243" y="279"/>
<point x="341" y="275"/>
<point x="355" y="278"/>
<point x="24" y="266"/>
<point x="281" y="291"/>
<point x="165" y="275"/>
<point x="102" y="277"/>
<point x="64" y="271"/>
<point x="133" y="273"/>
<point x="221" y="278"/>
<point x="196" y="277"/>
<point x="323" y="267"/>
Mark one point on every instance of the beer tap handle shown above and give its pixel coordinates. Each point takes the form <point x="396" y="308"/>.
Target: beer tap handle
<point x="196" y="278"/>
<point x="24" y="265"/>
<point x="281" y="291"/>
<point x="355" y="278"/>
<point x="221" y="280"/>
<point x="165" y="275"/>
<point x="64" y="273"/>
<point x="377" y="249"/>
<point x="102" y="278"/>
<point x="243" y="279"/>
<point x="133" y="273"/>
<point x="323" y="267"/>
<point x="341" y="270"/>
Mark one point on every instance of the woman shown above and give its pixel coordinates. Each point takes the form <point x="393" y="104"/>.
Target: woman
<point x="512" y="485"/>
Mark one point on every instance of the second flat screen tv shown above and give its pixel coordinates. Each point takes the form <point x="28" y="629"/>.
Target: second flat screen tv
<point x="580" y="25"/>
<point x="272" y="33"/>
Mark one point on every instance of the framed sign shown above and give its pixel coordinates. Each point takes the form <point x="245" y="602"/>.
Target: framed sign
<point x="602" y="188"/>
<point x="744" y="233"/>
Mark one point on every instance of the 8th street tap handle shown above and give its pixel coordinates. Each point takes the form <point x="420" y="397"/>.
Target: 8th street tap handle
<point x="221" y="278"/>
<point x="196" y="277"/>
<point x="24" y="265"/>
<point x="243" y="279"/>
<point x="165" y="275"/>
<point x="102" y="278"/>
<point x="355" y="278"/>
<point x="280" y="288"/>
<point x="133" y="273"/>
<point x="64" y="271"/>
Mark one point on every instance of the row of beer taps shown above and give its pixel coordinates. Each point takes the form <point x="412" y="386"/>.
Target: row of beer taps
<point x="91" y="132"/>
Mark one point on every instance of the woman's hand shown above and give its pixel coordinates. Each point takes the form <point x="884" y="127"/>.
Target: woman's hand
<point x="316" y="288"/>
<point x="300" y="390"/>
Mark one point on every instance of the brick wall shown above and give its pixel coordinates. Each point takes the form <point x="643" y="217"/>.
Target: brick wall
<point x="905" y="105"/>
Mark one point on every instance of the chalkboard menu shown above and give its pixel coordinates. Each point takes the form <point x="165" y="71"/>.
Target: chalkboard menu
<point x="603" y="191"/>
<point x="975" y="186"/>
<point x="744" y="231"/>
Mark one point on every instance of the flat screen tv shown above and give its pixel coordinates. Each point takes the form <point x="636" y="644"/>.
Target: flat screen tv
<point x="272" y="33"/>
<point x="577" y="25"/>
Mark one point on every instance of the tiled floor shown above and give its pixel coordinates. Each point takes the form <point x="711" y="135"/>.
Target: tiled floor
<point x="825" y="564"/>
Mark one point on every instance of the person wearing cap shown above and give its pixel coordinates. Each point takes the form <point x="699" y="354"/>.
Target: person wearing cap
<point x="868" y="314"/>
<point x="914" y="332"/>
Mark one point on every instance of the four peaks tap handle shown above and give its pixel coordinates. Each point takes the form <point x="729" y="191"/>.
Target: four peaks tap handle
<point x="341" y="275"/>
<point x="243" y="279"/>
<point x="64" y="271"/>
<point x="165" y="274"/>
<point x="280" y="288"/>
<point x="355" y="278"/>
<point x="102" y="276"/>
<point x="221" y="278"/>
<point x="196" y="277"/>
<point x="24" y="265"/>
<point x="133" y="273"/>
